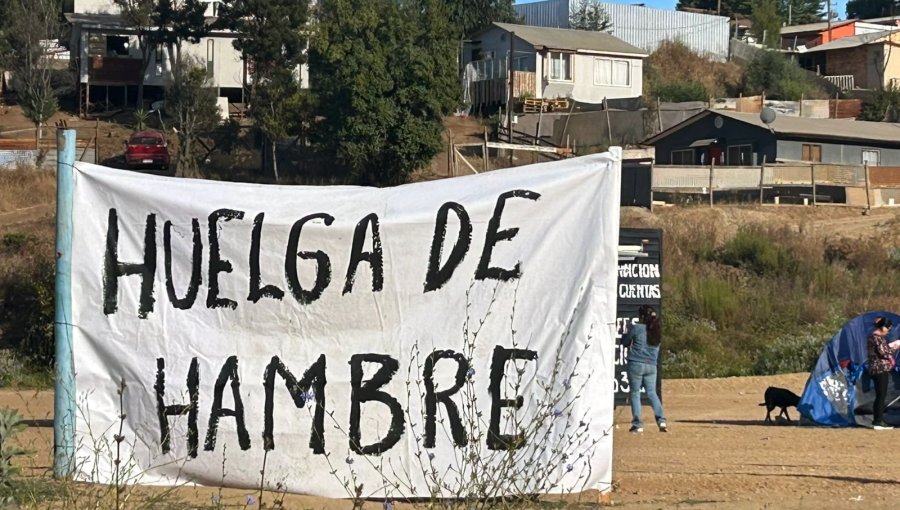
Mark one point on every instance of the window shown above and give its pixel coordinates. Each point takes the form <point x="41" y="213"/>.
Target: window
<point x="611" y="72"/>
<point x="560" y="66"/>
<point x="871" y="157"/>
<point x="116" y="46"/>
<point x="520" y="64"/>
<point x="210" y="56"/>
<point x="811" y="153"/>
<point x="683" y="157"/>
<point x="739" y="155"/>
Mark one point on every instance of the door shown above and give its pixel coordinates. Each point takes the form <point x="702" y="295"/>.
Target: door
<point x="714" y="154"/>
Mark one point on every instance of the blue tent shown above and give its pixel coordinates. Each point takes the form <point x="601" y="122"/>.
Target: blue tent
<point x="839" y="391"/>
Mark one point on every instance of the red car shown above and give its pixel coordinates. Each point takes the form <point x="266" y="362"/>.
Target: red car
<point x="147" y="149"/>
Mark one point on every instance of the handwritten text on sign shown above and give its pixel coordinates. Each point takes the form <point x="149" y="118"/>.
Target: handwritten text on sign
<point x="225" y="308"/>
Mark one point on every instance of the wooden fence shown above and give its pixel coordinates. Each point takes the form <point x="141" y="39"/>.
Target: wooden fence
<point x="814" y="183"/>
<point x="25" y="152"/>
<point x="495" y="91"/>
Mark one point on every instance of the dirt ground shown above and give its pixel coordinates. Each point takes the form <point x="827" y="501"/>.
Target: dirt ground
<point x="718" y="454"/>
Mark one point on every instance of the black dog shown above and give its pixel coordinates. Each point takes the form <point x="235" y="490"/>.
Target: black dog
<point x="779" y="397"/>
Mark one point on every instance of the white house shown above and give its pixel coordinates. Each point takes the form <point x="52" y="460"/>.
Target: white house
<point x="108" y="57"/>
<point x="556" y="63"/>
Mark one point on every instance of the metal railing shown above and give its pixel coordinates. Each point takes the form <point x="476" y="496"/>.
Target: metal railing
<point x="844" y="81"/>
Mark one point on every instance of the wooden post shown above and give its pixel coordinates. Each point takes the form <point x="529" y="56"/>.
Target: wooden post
<point x="812" y="178"/>
<point x="97" y="141"/>
<point x="609" y="127"/>
<point x="537" y="134"/>
<point x="449" y="153"/>
<point x="484" y="151"/>
<point x="651" y="187"/>
<point x="801" y="105"/>
<point x="762" y="173"/>
<point x="659" y="113"/>
<point x="868" y="199"/>
<point x="712" y="168"/>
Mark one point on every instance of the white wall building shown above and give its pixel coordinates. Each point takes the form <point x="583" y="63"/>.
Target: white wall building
<point x="585" y="66"/>
<point x="108" y="56"/>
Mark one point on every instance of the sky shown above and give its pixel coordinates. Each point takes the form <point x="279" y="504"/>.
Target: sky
<point x="838" y="6"/>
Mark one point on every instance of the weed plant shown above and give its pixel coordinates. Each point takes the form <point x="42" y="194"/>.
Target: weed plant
<point x="764" y="300"/>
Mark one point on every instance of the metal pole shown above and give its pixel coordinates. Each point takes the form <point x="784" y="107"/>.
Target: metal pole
<point x="512" y="79"/>
<point x="64" y="390"/>
<point x="829" y="21"/>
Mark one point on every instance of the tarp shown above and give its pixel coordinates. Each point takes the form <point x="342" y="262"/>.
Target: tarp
<point x="326" y="334"/>
<point x="839" y="391"/>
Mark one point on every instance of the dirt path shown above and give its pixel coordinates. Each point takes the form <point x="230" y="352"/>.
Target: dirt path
<point x="27" y="215"/>
<point x="719" y="454"/>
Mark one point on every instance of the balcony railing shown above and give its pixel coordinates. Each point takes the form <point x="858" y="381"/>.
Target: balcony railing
<point x="115" y="69"/>
<point x="844" y="81"/>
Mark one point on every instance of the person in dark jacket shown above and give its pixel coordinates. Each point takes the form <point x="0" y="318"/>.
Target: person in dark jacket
<point x="642" y="340"/>
<point x="881" y="362"/>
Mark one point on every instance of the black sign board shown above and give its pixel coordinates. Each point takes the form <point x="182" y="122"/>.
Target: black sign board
<point x="640" y="283"/>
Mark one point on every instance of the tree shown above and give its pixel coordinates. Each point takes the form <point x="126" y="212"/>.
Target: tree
<point x="176" y="22"/>
<point x="766" y="23"/>
<point x="191" y="103"/>
<point x="730" y="8"/>
<point x="800" y="12"/>
<point x="23" y="28"/>
<point x="864" y="9"/>
<point x="384" y="74"/>
<point x="797" y="11"/>
<point x="139" y="14"/>
<point x="469" y="16"/>
<point x="589" y="15"/>
<point x="164" y="24"/>
<point x="271" y="35"/>
<point x="772" y="74"/>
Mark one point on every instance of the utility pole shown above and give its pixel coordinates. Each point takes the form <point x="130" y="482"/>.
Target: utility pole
<point x="719" y="8"/>
<point x="829" y="21"/>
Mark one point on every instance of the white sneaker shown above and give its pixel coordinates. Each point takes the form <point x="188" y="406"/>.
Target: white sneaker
<point x="663" y="427"/>
<point x="882" y="426"/>
<point x="636" y="430"/>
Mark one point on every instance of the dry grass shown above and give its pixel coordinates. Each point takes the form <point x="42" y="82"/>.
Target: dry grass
<point x="26" y="187"/>
<point x="675" y="62"/>
<point x="754" y="291"/>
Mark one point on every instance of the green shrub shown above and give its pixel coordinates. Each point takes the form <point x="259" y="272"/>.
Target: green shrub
<point x="790" y="353"/>
<point x="772" y="74"/>
<point x="681" y="91"/>
<point x="751" y="249"/>
<point x="27" y="314"/>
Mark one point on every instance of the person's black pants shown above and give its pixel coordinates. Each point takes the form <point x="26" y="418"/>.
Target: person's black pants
<point x="881" y="386"/>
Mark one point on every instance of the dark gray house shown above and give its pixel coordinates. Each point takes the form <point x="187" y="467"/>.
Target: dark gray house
<point x="734" y="139"/>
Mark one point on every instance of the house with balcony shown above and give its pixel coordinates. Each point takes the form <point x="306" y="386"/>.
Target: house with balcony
<point x="725" y="138"/>
<point x="865" y="61"/>
<point x="107" y="58"/>
<point x="550" y="63"/>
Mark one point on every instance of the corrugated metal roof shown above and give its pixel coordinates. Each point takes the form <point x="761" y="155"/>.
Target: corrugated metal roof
<point x="833" y="129"/>
<point x="640" y="26"/>
<point x="852" y="42"/>
<point x="814" y="27"/>
<point x="567" y="39"/>
<point x="826" y="128"/>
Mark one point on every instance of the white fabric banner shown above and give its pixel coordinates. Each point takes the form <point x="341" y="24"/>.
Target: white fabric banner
<point x="400" y="338"/>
